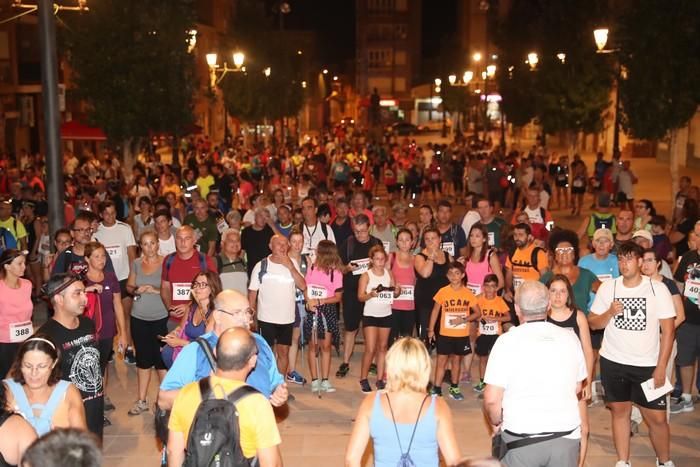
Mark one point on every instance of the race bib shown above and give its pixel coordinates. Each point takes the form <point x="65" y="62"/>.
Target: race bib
<point x="517" y="282"/>
<point x="492" y="239"/>
<point x="692" y="290"/>
<point x="448" y="247"/>
<point x="19" y="332"/>
<point x="316" y="291"/>
<point x="45" y="246"/>
<point x="387" y="246"/>
<point x="406" y="292"/>
<point x="455" y="321"/>
<point x="361" y="265"/>
<point x="386" y="296"/>
<point x="181" y="291"/>
<point x="604" y="277"/>
<point x="114" y="251"/>
<point x="488" y="328"/>
<point x="221" y="226"/>
<point x="578" y="183"/>
<point x="474" y="288"/>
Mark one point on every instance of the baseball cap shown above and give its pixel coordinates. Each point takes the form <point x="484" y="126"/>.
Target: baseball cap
<point x="603" y="233"/>
<point x="644" y="234"/>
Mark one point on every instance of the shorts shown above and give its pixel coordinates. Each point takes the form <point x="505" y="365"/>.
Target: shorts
<point x="622" y="197"/>
<point x="352" y="313"/>
<point x="280" y="334"/>
<point x="446" y="345"/>
<point x="299" y="313"/>
<point x="374" y="322"/>
<point x="578" y="190"/>
<point x="623" y="383"/>
<point x="327" y="322"/>
<point x="484" y="344"/>
<point x="146" y="343"/>
<point x="105" y="346"/>
<point x="688" y="339"/>
<point x="597" y="338"/>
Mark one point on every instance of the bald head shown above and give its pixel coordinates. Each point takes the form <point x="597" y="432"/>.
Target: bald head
<point x="279" y="244"/>
<point x="231" y="309"/>
<point x="532" y="299"/>
<point x="234" y="350"/>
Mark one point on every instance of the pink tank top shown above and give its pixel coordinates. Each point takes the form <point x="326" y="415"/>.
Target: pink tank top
<point x="406" y="278"/>
<point x="476" y="273"/>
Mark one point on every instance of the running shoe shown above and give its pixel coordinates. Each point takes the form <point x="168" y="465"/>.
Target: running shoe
<point x="668" y="463"/>
<point x="381" y="384"/>
<point x="343" y="370"/>
<point x="373" y="369"/>
<point x="315" y="385"/>
<point x="365" y="387"/>
<point x="295" y="377"/>
<point x="139" y="407"/>
<point x="456" y="394"/>
<point x="479" y="387"/>
<point x="623" y="464"/>
<point x="108" y="406"/>
<point x="436" y="391"/>
<point x="326" y="386"/>
<point x="683" y="405"/>
<point x="129" y="356"/>
<point x="466" y="378"/>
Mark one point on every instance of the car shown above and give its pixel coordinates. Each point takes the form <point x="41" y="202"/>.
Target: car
<point x="403" y="129"/>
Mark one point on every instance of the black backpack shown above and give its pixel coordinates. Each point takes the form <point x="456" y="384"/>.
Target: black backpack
<point x="215" y="437"/>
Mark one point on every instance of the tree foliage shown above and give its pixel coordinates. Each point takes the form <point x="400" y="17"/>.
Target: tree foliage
<point x="660" y="52"/>
<point x="251" y="96"/>
<point x="569" y="96"/>
<point x="131" y="65"/>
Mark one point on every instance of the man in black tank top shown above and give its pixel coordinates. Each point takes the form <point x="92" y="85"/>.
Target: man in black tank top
<point x="354" y="253"/>
<point x="75" y="335"/>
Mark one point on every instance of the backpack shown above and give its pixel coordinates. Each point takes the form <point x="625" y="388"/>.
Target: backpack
<point x="171" y="258"/>
<point x="93" y="310"/>
<point x="533" y="257"/>
<point x="7" y="238"/>
<point x="214" y="438"/>
<point x="600" y="222"/>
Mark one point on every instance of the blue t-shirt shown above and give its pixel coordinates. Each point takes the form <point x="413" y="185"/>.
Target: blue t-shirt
<point x="604" y="269"/>
<point x="192" y="365"/>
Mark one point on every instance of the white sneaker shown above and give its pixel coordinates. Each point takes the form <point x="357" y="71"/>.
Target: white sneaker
<point x="668" y="463"/>
<point x="315" y="386"/>
<point x="327" y="386"/>
<point x="623" y="464"/>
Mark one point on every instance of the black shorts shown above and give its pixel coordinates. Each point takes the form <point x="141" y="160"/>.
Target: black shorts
<point x="597" y="338"/>
<point x="146" y="343"/>
<point x="578" y="190"/>
<point x="623" y="383"/>
<point x="276" y="333"/>
<point x="105" y="346"/>
<point x="688" y="340"/>
<point x="484" y="344"/>
<point x="453" y="345"/>
<point x="352" y="314"/>
<point x="372" y="322"/>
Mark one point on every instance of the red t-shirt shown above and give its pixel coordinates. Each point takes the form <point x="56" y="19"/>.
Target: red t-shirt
<point x="180" y="275"/>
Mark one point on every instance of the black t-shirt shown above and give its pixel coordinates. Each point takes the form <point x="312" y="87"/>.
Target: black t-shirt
<point x="80" y="364"/>
<point x="351" y="249"/>
<point x="341" y="232"/>
<point x="256" y="244"/>
<point x="689" y="270"/>
<point x="685" y="228"/>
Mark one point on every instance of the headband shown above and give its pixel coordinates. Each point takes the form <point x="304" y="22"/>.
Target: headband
<point x="13" y="256"/>
<point x="42" y="340"/>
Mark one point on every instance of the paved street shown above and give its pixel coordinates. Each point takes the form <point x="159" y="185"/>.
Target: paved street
<point x="316" y="431"/>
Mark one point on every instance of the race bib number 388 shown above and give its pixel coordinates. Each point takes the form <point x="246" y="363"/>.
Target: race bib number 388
<point x="19" y="332"/>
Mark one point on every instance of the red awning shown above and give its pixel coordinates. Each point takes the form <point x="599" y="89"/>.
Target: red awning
<point x="75" y="130"/>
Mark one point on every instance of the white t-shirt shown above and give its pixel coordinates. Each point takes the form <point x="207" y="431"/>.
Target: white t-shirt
<point x="632" y="338"/>
<point x="538" y="365"/>
<point x="276" y="294"/>
<point x="165" y="247"/>
<point x="535" y="215"/>
<point x="313" y="235"/>
<point x="116" y="240"/>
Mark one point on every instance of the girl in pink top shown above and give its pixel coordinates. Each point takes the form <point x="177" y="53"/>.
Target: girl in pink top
<point x="15" y="306"/>
<point x="480" y="260"/>
<point x="324" y="290"/>
<point x="403" y="310"/>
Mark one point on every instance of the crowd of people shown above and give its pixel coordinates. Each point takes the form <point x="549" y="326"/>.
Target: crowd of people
<point x="215" y="271"/>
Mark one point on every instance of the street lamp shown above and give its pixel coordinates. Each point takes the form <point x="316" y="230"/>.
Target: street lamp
<point x="467" y="76"/>
<point x="214" y="69"/>
<point x="533" y="59"/>
<point x="267" y="71"/>
<point x="491" y="71"/>
<point x="600" y="36"/>
<point x="476" y="56"/>
<point x="562" y="57"/>
<point x="82" y="6"/>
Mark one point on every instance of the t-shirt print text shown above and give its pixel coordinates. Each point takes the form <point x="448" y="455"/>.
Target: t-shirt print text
<point x="634" y="314"/>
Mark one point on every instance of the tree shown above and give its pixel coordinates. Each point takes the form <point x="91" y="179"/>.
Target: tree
<point x="132" y="66"/>
<point x="660" y="56"/>
<point x="568" y="95"/>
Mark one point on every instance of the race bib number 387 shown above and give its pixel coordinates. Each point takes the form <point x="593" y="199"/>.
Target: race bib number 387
<point x="181" y="291"/>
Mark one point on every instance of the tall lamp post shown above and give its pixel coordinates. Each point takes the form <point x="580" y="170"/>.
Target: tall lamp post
<point x="601" y="39"/>
<point x="217" y="73"/>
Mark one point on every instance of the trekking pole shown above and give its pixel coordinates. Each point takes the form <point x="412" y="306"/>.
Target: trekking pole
<point x="314" y="338"/>
<point x="302" y="314"/>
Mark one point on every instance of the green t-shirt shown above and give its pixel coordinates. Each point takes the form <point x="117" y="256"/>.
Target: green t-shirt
<point x="582" y="287"/>
<point x="494" y="229"/>
<point x="204" y="231"/>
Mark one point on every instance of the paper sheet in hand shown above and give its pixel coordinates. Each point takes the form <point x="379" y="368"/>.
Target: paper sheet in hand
<point x="652" y="394"/>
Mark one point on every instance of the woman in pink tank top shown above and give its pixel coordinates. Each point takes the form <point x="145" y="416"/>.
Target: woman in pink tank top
<point x="403" y="310"/>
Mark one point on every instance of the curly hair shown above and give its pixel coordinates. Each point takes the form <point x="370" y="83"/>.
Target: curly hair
<point x="561" y="236"/>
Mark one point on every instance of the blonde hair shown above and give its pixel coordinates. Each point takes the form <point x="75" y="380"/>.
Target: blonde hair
<point x="407" y="366"/>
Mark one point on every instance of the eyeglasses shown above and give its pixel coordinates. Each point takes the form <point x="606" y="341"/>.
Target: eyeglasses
<point x="200" y="285"/>
<point x="234" y="312"/>
<point x="564" y="251"/>
<point x="85" y="230"/>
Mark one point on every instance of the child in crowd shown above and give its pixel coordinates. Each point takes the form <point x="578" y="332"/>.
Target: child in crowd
<point x="494" y="312"/>
<point x="457" y="307"/>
